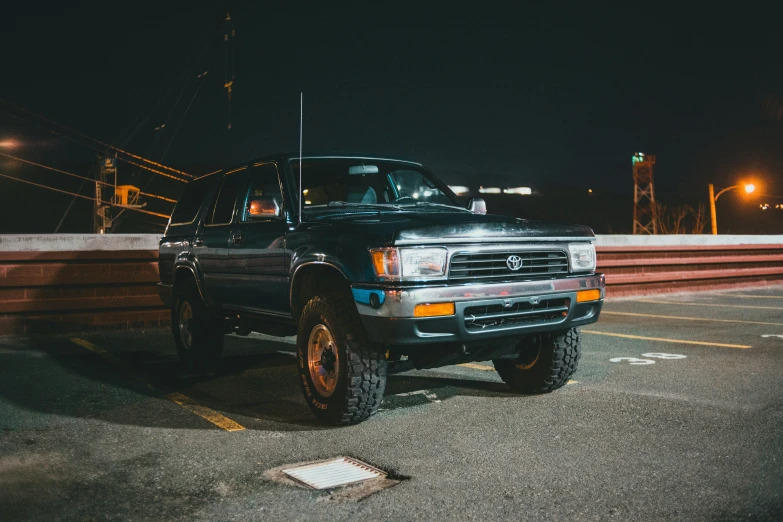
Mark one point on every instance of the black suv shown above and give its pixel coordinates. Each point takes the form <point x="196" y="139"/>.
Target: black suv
<point x="384" y="269"/>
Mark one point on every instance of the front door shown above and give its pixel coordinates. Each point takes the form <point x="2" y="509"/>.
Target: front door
<point x="257" y="244"/>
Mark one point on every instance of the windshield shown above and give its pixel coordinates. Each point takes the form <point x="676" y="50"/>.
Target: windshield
<point x="330" y="182"/>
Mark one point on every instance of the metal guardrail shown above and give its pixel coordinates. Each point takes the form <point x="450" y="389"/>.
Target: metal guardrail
<point x="82" y="282"/>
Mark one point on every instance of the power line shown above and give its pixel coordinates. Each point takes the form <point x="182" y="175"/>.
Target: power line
<point x="165" y="95"/>
<point x="62" y="220"/>
<point x="164" y="216"/>
<point x="79" y="176"/>
<point x="193" y="57"/>
<point x="184" y="115"/>
<point x="152" y="170"/>
<point x="106" y="145"/>
<point x="103" y="151"/>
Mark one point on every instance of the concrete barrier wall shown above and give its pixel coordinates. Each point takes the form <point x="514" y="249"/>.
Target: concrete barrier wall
<point x="639" y="265"/>
<point x="81" y="282"/>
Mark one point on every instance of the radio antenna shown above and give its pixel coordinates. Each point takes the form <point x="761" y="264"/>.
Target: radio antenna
<point x="301" y="98"/>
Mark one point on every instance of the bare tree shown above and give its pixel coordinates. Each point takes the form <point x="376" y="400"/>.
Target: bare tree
<point x="680" y="219"/>
<point x="698" y="219"/>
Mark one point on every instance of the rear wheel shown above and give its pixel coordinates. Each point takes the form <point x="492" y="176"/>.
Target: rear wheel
<point x="343" y="375"/>
<point x="196" y="332"/>
<point x="545" y="363"/>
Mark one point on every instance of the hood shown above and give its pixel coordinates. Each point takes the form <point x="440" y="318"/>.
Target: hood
<point x="420" y="228"/>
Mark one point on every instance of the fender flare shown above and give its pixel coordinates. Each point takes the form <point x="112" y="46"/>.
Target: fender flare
<point x="323" y="262"/>
<point x="188" y="266"/>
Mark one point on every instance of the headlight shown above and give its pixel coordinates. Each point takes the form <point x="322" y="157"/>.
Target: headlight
<point x="582" y="257"/>
<point x="409" y="263"/>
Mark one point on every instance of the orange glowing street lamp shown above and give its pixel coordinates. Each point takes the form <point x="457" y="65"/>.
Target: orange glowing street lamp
<point x="748" y="187"/>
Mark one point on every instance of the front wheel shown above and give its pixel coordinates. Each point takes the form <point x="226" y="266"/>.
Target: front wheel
<point x="343" y="376"/>
<point x="545" y="363"/>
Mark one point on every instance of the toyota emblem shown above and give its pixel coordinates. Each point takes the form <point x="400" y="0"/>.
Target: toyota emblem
<point x="514" y="263"/>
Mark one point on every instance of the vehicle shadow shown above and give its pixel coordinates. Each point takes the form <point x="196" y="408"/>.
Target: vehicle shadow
<point x="255" y="384"/>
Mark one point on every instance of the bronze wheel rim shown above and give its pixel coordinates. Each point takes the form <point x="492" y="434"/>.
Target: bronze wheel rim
<point x="323" y="360"/>
<point x="529" y="357"/>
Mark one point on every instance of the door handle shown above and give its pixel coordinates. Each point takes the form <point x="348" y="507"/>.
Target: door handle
<point x="198" y="242"/>
<point x="236" y="238"/>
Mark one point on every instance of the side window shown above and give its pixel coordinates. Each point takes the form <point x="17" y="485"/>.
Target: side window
<point x="264" y="199"/>
<point x="226" y="199"/>
<point x="191" y="199"/>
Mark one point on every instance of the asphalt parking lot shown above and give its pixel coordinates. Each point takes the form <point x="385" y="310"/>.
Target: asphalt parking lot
<point x="676" y="413"/>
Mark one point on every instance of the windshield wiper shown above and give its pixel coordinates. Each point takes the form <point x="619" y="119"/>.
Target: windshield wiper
<point x="431" y="204"/>
<point x="344" y="204"/>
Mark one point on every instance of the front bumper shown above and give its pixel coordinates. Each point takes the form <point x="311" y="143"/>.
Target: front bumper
<point x="387" y="313"/>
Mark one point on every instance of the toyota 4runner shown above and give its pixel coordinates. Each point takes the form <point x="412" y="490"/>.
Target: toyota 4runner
<point x="379" y="268"/>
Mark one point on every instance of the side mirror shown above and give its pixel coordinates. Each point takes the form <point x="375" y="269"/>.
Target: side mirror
<point x="477" y="206"/>
<point x="263" y="207"/>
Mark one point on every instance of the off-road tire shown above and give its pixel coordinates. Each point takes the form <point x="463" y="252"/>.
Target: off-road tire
<point x="361" y="379"/>
<point x="206" y="347"/>
<point x="545" y="369"/>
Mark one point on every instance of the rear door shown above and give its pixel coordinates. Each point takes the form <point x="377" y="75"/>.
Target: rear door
<point x="257" y="244"/>
<point x="212" y="240"/>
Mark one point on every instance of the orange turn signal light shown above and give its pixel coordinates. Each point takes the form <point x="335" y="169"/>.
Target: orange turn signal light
<point x="378" y="263"/>
<point x="588" y="295"/>
<point x="433" y="309"/>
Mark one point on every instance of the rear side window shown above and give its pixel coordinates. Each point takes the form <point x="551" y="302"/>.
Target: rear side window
<point x="227" y="197"/>
<point x="190" y="201"/>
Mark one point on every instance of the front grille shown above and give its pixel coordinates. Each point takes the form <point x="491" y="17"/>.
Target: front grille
<point x="518" y="314"/>
<point x="495" y="266"/>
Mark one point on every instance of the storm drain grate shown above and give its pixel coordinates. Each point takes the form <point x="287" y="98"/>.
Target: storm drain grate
<point x="334" y="473"/>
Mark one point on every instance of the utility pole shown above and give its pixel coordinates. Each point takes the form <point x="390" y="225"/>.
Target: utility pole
<point x="644" y="211"/>
<point x="105" y="188"/>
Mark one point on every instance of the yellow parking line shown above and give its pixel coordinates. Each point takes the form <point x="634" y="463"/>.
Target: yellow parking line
<point x="90" y="346"/>
<point x="186" y="402"/>
<point x="103" y="354"/>
<point x="664" y="340"/>
<point x="211" y="415"/>
<point x="605" y="312"/>
<point x="707" y="304"/>
<point x="478" y="366"/>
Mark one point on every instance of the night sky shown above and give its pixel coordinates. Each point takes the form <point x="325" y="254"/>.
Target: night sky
<point x="496" y="96"/>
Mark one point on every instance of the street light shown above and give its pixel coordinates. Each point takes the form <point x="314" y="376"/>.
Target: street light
<point x="749" y="187"/>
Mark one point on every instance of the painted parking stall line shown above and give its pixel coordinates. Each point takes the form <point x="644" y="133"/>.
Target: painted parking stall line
<point x="108" y="357"/>
<point x="712" y="305"/>
<point x="218" y="419"/>
<point x="184" y="401"/>
<point x="665" y="340"/>
<point x="683" y="318"/>
<point x="475" y="366"/>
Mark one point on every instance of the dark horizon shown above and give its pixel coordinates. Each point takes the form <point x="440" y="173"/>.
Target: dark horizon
<point x="506" y="99"/>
